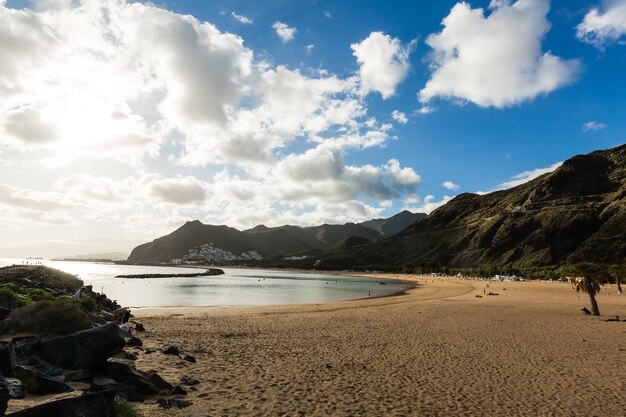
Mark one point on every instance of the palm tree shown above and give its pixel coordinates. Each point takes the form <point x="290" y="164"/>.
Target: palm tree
<point x="591" y="287"/>
<point x="589" y="281"/>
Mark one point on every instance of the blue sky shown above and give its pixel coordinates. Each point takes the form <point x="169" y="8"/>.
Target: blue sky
<point x="123" y="120"/>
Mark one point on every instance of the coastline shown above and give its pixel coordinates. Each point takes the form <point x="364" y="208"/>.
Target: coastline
<point x="436" y="350"/>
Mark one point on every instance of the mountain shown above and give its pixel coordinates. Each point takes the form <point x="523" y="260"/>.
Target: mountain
<point x="269" y="242"/>
<point x="576" y="213"/>
<point x="112" y="256"/>
<point x="395" y="224"/>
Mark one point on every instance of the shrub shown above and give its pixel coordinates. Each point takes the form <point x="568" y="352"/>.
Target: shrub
<point x="88" y="303"/>
<point x="59" y="317"/>
<point x="7" y="293"/>
<point x="121" y="408"/>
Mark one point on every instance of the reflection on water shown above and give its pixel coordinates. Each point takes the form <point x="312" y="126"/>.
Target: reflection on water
<point x="237" y="287"/>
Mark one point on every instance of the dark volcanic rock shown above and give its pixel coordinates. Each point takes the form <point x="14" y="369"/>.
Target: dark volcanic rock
<point x="7" y="358"/>
<point x="53" y="370"/>
<point x="157" y="381"/>
<point x="123" y="371"/>
<point x="128" y="392"/>
<point x="190" y="358"/>
<point x="84" y="375"/>
<point x="172" y="350"/>
<point x="94" y="404"/>
<point x="84" y="349"/>
<point x="38" y="383"/>
<point x="16" y="387"/>
<point x="4" y="396"/>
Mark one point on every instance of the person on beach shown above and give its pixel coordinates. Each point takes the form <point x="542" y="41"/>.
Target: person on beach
<point x="121" y="315"/>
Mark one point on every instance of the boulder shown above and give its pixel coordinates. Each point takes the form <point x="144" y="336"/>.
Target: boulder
<point x="84" y="375"/>
<point x="16" y="388"/>
<point x="38" y="383"/>
<point x="26" y="345"/>
<point x="85" y="349"/>
<point x="7" y="358"/>
<point x="93" y="404"/>
<point x="4" y="396"/>
<point x="53" y="370"/>
<point x="139" y="327"/>
<point x="159" y="382"/>
<point x="172" y="350"/>
<point x="123" y="371"/>
<point x="190" y="358"/>
<point x="128" y="392"/>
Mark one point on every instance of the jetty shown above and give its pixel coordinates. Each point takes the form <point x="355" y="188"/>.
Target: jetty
<point x="208" y="272"/>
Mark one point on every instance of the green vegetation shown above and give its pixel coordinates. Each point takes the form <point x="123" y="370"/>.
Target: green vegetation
<point x="46" y="316"/>
<point x="121" y="408"/>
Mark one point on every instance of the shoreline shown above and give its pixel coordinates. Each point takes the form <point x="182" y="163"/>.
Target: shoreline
<point x="435" y="350"/>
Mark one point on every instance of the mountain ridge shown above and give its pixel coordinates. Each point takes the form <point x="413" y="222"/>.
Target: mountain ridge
<point x="575" y="213"/>
<point x="269" y="242"/>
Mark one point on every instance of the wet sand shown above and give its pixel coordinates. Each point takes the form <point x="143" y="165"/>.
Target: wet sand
<point x="437" y="350"/>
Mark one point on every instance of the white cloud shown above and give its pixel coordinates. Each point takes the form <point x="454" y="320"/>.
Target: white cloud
<point x="309" y="48"/>
<point x="241" y="19"/>
<point x="383" y="61"/>
<point x="604" y="25"/>
<point x="429" y="205"/>
<point x="526" y="176"/>
<point x="450" y="185"/>
<point x="99" y="101"/>
<point x="182" y="190"/>
<point x="399" y="117"/>
<point x="593" y="126"/>
<point x="495" y="60"/>
<point x="284" y="31"/>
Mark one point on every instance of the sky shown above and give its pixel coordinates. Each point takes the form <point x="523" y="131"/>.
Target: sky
<point x="122" y="120"/>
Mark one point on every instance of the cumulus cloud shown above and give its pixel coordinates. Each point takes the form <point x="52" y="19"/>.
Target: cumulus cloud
<point x="593" y="126"/>
<point x="399" y="117"/>
<point x="429" y="204"/>
<point x="604" y="25"/>
<point x="384" y="63"/>
<point x="495" y="60"/>
<point x="184" y="190"/>
<point x="450" y="185"/>
<point x="241" y="19"/>
<point x="526" y="176"/>
<point x="284" y="31"/>
<point x="134" y="90"/>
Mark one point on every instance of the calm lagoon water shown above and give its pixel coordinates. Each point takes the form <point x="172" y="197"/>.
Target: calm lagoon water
<point x="237" y="287"/>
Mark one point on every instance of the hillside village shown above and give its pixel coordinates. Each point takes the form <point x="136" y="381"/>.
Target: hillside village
<point x="208" y="253"/>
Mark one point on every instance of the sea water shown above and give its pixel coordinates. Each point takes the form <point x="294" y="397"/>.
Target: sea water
<point x="237" y="287"/>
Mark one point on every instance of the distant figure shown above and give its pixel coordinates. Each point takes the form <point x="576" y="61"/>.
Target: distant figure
<point x="121" y="315"/>
<point x="369" y="293"/>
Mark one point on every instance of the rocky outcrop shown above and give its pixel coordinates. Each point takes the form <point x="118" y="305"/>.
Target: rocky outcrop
<point x="7" y="358"/>
<point x="85" y="349"/>
<point x="39" y="383"/>
<point x="94" y="404"/>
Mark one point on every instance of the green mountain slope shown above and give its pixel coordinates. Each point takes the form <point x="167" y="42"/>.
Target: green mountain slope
<point x="576" y="213"/>
<point x="269" y="242"/>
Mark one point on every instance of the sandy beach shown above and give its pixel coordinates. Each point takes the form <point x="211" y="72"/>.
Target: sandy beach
<point x="437" y="350"/>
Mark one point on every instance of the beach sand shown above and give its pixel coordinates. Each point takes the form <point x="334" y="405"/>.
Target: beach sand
<point x="437" y="350"/>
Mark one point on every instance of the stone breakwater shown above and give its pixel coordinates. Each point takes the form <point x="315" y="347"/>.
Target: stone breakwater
<point x="207" y="273"/>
